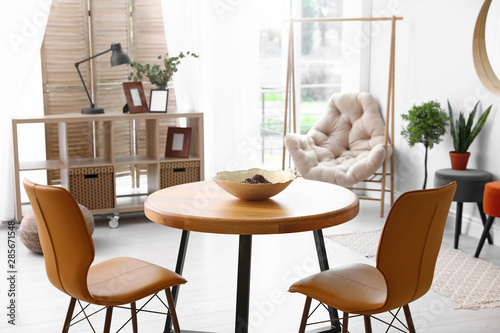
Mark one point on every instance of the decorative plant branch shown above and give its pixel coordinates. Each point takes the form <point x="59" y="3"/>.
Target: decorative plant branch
<point x="462" y="133"/>
<point x="426" y="125"/>
<point x="157" y="76"/>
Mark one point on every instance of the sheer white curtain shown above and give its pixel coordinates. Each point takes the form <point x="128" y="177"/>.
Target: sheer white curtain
<point x="223" y="82"/>
<point x="23" y="26"/>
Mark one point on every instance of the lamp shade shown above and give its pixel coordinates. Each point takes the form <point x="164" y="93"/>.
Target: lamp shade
<point x="118" y="57"/>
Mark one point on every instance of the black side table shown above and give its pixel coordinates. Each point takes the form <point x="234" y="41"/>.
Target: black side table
<point x="470" y="188"/>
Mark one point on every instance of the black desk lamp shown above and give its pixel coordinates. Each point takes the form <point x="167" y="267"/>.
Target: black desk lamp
<point x="118" y="57"/>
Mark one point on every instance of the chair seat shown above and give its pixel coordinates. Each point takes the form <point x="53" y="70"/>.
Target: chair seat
<point x="348" y="168"/>
<point x="124" y="280"/>
<point x="353" y="288"/>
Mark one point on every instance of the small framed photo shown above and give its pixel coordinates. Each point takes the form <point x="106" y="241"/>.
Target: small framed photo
<point x="178" y="141"/>
<point x="158" y="100"/>
<point x="136" y="99"/>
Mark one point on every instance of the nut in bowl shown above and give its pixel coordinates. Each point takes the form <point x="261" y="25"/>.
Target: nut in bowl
<point x="251" y="184"/>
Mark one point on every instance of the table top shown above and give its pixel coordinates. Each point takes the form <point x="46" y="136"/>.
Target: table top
<point x="304" y="205"/>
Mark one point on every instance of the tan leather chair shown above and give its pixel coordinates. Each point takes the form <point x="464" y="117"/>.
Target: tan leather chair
<point x="406" y="257"/>
<point x="69" y="252"/>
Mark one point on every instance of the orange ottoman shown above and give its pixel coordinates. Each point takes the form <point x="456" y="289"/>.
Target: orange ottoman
<point x="491" y="206"/>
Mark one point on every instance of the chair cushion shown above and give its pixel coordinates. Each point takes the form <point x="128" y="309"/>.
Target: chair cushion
<point x="346" y="145"/>
<point x="353" y="288"/>
<point x="125" y="280"/>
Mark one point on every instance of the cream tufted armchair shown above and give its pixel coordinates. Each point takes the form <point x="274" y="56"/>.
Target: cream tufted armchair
<point x="345" y="146"/>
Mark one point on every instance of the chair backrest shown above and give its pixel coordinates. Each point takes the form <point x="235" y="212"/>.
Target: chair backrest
<point x="64" y="236"/>
<point x="410" y="243"/>
<point x="352" y="122"/>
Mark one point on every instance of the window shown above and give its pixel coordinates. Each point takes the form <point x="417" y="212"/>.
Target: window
<point x="77" y="30"/>
<point x="325" y="59"/>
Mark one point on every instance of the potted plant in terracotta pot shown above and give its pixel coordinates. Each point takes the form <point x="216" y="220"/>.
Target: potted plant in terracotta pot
<point x="463" y="135"/>
<point x="426" y="125"/>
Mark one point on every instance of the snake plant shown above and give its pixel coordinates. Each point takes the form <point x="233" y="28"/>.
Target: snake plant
<point x="462" y="132"/>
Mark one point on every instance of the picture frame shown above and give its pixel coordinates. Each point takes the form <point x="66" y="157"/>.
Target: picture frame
<point x="178" y="142"/>
<point x="136" y="99"/>
<point x="158" y="100"/>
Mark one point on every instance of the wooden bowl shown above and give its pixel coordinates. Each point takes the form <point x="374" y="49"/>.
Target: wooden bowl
<point x="231" y="182"/>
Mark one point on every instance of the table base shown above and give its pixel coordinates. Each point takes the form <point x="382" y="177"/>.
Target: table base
<point x="319" y="240"/>
<point x="243" y="284"/>
<point x="179" y="267"/>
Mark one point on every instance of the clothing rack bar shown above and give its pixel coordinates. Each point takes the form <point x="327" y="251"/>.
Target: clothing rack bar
<point x="343" y="19"/>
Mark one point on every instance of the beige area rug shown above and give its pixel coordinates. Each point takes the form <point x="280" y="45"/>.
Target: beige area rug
<point x="470" y="282"/>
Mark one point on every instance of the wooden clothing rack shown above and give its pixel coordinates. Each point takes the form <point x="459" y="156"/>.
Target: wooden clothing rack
<point x="389" y="116"/>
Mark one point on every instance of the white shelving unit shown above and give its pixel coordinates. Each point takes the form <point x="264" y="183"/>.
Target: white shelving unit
<point x="154" y="156"/>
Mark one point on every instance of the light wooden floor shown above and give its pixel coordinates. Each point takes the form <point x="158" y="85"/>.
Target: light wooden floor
<point x="207" y="302"/>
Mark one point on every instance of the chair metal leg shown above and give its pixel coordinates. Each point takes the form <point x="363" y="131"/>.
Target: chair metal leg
<point x="107" y="323"/>
<point x="134" y="317"/>
<point x="305" y="314"/>
<point x="409" y="320"/>
<point x="345" y="322"/>
<point x="173" y="313"/>
<point x="485" y="234"/>
<point x="69" y="315"/>
<point x="368" y="324"/>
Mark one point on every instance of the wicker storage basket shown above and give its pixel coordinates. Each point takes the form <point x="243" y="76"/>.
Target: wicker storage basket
<point x="177" y="173"/>
<point x="93" y="187"/>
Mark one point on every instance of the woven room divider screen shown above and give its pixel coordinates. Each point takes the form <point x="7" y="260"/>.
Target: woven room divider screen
<point x="77" y="30"/>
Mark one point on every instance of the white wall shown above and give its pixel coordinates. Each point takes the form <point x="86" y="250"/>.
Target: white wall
<point x="434" y="62"/>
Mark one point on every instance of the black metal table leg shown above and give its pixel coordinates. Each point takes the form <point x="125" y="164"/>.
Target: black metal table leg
<point x="483" y="219"/>
<point x="458" y="223"/>
<point x="323" y="265"/>
<point x="181" y="256"/>
<point x="243" y="286"/>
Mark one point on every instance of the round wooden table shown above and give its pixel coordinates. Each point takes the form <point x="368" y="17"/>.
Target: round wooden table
<point x="305" y="205"/>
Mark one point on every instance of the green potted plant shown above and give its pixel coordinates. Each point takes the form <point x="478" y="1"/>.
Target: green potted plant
<point x="426" y="125"/>
<point x="463" y="135"/>
<point x="157" y="76"/>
